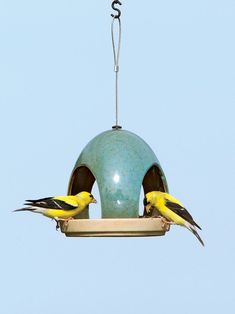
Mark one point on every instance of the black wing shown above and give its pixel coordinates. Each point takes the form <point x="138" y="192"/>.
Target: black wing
<point x="182" y="212"/>
<point x="50" y="202"/>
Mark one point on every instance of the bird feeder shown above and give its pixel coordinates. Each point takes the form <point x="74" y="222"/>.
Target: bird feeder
<point x="121" y="163"/>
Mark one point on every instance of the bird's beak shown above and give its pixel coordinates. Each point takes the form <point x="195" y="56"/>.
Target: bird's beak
<point x="94" y="201"/>
<point x="147" y="208"/>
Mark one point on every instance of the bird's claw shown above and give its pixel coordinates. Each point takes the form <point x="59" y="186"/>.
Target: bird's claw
<point x="166" y="224"/>
<point x="65" y="222"/>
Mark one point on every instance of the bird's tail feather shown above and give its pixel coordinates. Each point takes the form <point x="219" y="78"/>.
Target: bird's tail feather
<point x="197" y="225"/>
<point x="197" y="235"/>
<point x="194" y="231"/>
<point x="24" y="209"/>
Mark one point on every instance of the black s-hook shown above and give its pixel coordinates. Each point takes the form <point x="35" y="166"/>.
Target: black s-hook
<point x="117" y="16"/>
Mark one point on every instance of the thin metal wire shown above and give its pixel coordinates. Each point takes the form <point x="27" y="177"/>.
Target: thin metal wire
<point x="116" y="54"/>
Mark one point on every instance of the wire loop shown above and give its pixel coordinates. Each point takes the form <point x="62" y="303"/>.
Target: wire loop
<point x="116" y="50"/>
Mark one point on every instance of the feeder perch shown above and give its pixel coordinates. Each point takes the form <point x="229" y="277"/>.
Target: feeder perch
<point x="121" y="163"/>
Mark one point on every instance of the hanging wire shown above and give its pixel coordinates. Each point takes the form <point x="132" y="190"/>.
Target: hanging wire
<point x="116" y="54"/>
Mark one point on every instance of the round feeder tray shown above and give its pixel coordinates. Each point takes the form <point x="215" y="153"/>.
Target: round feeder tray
<point x="113" y="227"/>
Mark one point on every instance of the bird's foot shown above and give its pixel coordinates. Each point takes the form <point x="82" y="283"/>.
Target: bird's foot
<point x="166" y="223"/>
<point x="66" y="221"/>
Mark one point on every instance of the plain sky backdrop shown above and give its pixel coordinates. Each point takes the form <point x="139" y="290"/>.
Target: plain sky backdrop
<point x="177" y="92"/>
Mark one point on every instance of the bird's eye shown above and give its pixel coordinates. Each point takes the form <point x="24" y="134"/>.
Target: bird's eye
<point x="91" y="196"/>
<point x="146" y="202"/>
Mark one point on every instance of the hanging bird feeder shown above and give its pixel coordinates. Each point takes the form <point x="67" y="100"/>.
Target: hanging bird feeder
<point x="122" y="164"/>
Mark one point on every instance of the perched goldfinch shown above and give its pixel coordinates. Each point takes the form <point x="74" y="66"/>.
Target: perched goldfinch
<point x="172" y="211"/>
<point x="60" y="207"/>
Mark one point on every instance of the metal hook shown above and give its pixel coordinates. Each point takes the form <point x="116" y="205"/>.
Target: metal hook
<point x="117" y="16"/>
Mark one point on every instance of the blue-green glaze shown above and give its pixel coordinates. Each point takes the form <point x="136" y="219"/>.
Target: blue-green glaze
<point x="119" y="160"/>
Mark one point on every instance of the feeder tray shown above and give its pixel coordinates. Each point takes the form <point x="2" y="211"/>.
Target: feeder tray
<point x="121" y="163"/>
<point x="122" y="227"/>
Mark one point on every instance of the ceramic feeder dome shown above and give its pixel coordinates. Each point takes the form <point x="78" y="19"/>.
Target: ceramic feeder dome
<point x="121" y="163"/>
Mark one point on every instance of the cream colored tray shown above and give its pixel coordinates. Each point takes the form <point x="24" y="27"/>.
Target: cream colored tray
<point x="124" y="227"/>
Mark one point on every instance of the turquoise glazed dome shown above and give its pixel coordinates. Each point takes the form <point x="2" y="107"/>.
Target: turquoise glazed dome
<point x="121" y="163"/>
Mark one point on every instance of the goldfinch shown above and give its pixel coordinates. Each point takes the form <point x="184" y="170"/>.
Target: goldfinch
<point x="172" y="211"/>
<point x="59" y="207"/>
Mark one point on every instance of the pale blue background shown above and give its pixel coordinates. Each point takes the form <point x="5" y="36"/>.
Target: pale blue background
<point x="177" y="91"/>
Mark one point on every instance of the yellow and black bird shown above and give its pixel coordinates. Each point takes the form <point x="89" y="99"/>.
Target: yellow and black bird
<point x="171" y="211"/>
<point x="60" y="207"/>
